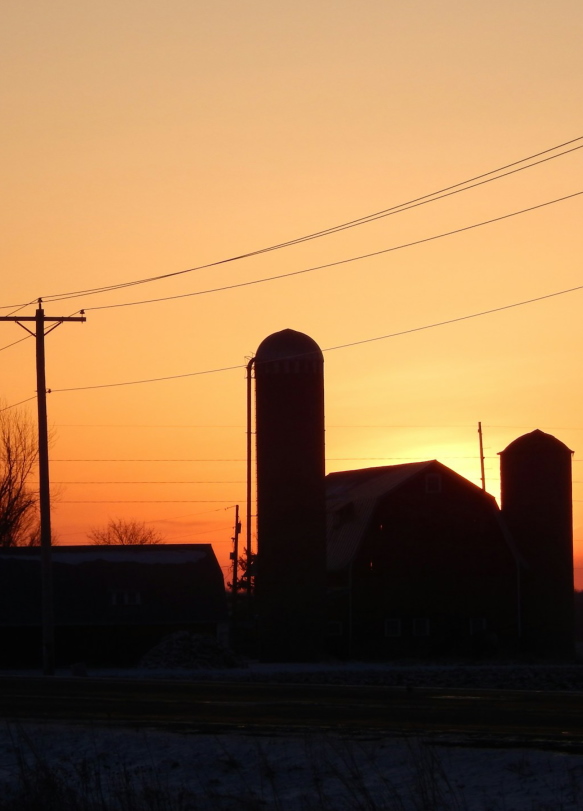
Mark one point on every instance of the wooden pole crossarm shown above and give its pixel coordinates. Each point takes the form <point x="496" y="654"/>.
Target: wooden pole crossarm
<point x="58" y="318"/>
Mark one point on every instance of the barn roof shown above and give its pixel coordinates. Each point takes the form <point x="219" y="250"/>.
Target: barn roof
<point x="115" y="585"/>
<point x="351" y="497"/>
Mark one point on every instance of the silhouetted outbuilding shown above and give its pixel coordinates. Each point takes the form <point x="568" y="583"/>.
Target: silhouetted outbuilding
<point x="112" y="603"/>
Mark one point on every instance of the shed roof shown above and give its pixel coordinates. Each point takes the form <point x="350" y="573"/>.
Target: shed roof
<point x="147" y="553"/>
<point x="159" y="585"/>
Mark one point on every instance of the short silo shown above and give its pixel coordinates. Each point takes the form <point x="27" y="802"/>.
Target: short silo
<point x="536" y="493"/>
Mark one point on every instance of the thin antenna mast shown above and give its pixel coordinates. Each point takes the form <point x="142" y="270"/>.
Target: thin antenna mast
<point x="482" y="468"/>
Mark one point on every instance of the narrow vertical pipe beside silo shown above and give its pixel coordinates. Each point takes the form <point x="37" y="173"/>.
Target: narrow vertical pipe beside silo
<point x="249" y="484"/>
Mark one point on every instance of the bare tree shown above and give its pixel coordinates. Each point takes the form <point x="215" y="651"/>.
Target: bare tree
<point x="123" y="532"/>
<point x="18" y="500"/>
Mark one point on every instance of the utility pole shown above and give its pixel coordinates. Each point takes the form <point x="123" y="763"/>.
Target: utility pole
<point x="235" y="555"/>
<point x="482" y="468"/>
<point x="48" y="625"/>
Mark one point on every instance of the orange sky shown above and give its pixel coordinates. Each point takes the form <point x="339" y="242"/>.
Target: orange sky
<point x="145" y="138"/>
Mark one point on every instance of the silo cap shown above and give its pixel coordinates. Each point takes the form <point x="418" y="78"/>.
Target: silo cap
<point x="536" y="440"/>
<point x="287" y="344"/>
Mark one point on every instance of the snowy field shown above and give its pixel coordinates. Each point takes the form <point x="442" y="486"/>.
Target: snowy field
<point x="55" y="766"/>
<point x="534" y="676"/>
<point x="59" y="767"/>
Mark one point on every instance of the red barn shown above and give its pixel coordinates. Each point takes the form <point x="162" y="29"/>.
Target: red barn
<point x="420" y="562"/>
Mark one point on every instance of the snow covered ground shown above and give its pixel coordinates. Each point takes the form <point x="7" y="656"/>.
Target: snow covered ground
<point x="535" y="676"/>
<point x="72" y="767"/>
<point x="46" y="766"/>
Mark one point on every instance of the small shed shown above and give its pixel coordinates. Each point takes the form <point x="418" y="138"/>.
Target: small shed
<point x="111" y="603"/>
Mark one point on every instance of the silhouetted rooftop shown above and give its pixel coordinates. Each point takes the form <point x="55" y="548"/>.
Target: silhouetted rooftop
<point x="359" y="490"/>
<point x="352" y="497"/>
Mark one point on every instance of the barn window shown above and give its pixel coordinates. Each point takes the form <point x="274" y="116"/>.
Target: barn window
<point x="421" y="627"/>
<point x="433" y="483"/>
<point x="392" y="627"/>
<point x="344" y="514"/>
<point x="477" y="625"/>
<point x="125" y="597"/>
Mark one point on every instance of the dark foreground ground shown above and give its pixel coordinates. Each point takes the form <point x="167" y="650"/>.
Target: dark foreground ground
<point x="528" y="717"/>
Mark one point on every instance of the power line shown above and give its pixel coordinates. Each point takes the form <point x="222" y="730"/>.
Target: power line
<point x="328" y="459"/>
<point x="188" y="534"/>
<point x="188" y="515"/>
<point x="166" y="519"/>
<point x="226" y="481"/>
<point x="328" y="426"/>
<point x="339" y="346"/>
<point x="14" y="405"/>
<point x="117" y="425"/>
<point x="455" y="320"/>
<point x="19" y="341"/>
<point x="360" y="257"/>
<point x="147" y="460"/>
<point x="154" y="379"/>
<point x="427" y="198"/>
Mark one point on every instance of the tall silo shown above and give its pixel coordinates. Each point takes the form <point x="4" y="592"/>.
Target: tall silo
<point x="537" y="508"/>
<point x="290" y="566"/>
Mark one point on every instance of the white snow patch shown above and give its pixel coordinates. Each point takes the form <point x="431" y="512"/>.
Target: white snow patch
<point x="288" y="772"/>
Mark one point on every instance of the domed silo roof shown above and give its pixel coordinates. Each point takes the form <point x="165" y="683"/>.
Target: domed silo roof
<point x="535" y="441"/>
<point x="285" y="345"/>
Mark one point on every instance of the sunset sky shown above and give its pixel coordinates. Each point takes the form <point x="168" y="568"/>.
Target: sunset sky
<point x="146" y="138"/>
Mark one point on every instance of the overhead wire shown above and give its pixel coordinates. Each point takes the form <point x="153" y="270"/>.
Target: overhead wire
<point x="354" y="343"/>
<point x="16" y="310"/>
<point x="328" y="458"/>
<point x="424" y="199"/>
<point x="151" y="380"/>
<point x="19" y="341"/>
<point x="456" y="320"/>
<point x="14" y="405"/>
<point x="328" y="426"/>
<point x="337" y="263"/>
<point x="83" y="482"/>
<point x="338" y="346"/>
<point x="409" y="331"/>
